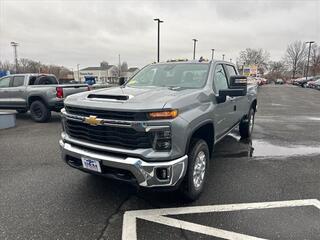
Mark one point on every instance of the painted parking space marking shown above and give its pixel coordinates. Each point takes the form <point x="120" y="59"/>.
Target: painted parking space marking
<point x="129" y="231"/>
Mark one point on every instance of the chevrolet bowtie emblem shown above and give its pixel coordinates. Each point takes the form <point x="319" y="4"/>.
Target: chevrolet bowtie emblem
<point x="93" y="120"/>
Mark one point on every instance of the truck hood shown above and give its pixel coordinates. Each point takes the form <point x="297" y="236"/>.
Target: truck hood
<point x="126" y="98"/>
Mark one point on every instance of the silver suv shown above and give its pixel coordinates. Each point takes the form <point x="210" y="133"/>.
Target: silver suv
<point x="159" y="128"/>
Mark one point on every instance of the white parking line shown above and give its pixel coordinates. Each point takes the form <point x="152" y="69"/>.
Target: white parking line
<point x="129" y="231"/>
<point x="211" y="231"/>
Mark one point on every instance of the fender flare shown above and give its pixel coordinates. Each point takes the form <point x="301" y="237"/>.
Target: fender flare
<point x="198" y="126"/>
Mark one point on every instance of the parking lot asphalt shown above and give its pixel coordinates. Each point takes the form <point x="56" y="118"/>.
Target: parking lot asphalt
<point x="42" y="198"/>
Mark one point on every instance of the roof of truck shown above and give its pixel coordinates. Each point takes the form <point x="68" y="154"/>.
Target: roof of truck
<point x="174" y="61"/>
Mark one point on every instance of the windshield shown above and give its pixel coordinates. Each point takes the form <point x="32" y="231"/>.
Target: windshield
<point x="181" y="75"/>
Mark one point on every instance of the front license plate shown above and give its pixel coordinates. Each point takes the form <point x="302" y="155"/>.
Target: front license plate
<point x="91" y="164"/>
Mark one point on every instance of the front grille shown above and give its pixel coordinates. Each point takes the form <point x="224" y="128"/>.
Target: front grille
<point x="111" y="136"/>
<point x="114" y="115"/>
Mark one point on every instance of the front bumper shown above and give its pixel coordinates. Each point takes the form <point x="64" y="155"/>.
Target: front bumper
<point x="144" y="173"/>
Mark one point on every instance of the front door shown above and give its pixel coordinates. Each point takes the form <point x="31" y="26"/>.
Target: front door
<point x="17" y="92"/>
<point x="224" y="113"/>
<point x="4" y="92"/>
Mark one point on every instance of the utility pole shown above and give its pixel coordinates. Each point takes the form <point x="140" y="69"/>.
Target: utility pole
<point x="194" y="48"/>
<point x="243" y="68"/>
<point x="158" y="54"/>
<point x="223" y="56"/>
<point x="212" y="53"/>
<point x="78" y="73"/>
<point x="72" y="73"/>
<point x="230" y="59"/>
<point x="15" y="45"/>
<point x="308" y="58"/>
<point x="119" y="66"/>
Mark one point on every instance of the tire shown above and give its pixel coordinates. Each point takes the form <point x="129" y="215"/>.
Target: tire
<point x="39" y="112"/>
<point x="246" y="125"/>
<point x="22" y="110"/>
<point x="198" y="152"/>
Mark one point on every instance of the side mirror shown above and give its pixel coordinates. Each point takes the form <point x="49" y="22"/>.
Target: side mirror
<point x="237" y="88"/>
<point x="121" y="81"/>
<point x="238" y="82"/>
<point x="231" y="93"/>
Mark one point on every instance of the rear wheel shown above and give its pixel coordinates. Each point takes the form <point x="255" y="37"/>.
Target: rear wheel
<point x="198" y="161"/>
<point x="39" y="112"/>
<point x="246" y="125"/>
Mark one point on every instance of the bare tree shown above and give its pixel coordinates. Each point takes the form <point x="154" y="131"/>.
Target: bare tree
<point x="104" y="64"/>
<point x="31" y="66"/>
<point x="276" y="70"/>
<point x="315" y="60"/>
<point x="295" y="57"/>
<point x="124" y="67"/>
<point x="7" y="66"/>
<point x="257" y="57"/>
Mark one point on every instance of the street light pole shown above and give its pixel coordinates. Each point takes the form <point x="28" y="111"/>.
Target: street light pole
<point x="15" y="45"/>
<point x="230" y="59"/>
<point x="223" y="56"/>
<point x="308" y="58"/>
<point x="194" y="48"/>
<point x="212" y="54"/>
<point x="159" y="21"/>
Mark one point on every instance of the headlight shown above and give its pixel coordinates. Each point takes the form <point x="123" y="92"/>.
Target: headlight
<point x="162" y="140"/>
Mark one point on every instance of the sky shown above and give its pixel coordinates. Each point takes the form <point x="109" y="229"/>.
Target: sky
<point x="87" y="32"/>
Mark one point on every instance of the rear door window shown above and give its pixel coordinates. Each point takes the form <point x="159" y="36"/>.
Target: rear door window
<point x="18" y="81"/>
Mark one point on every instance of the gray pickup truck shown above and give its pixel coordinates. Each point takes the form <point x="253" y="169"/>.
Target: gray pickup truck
<point x="158" y="130"/>
<point x="39" y="93"/>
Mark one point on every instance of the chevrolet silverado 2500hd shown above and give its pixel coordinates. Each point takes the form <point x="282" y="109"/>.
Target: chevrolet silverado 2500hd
<point x="159" y="128"/>
<point x="39" y="93"/>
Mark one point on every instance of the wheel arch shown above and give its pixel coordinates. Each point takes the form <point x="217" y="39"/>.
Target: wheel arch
<point x="205" y="131"/>
<point x="33" y="98"/>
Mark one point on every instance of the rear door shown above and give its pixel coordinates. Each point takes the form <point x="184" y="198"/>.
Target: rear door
<point x="224" y="113"/>
<point x="4" y="92"/>
<point x="17" y="92"/>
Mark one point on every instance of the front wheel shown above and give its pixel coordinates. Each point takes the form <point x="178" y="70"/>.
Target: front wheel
<point x="198" y="162"/>
<point x="246" y="125"/>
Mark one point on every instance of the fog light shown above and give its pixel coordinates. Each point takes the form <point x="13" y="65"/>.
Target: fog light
<point x="162" y="173"/>
<point x="163" y="144"/>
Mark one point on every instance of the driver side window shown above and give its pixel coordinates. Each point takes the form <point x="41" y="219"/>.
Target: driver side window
<point x="220" y="79"/>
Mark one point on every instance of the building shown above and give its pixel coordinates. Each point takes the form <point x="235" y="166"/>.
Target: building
<point x="131" y="71"/>
<point x="103" y="74"/>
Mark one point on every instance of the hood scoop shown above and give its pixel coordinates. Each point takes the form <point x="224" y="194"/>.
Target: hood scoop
<point x="109" y="97"/>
